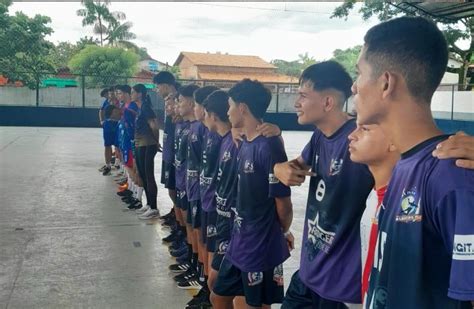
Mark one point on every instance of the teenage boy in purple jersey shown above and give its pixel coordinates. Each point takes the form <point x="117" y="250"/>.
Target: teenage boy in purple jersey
<point x="260" y="239"/>
<point x="424" y="256"/>
<point x="330" y="265"/>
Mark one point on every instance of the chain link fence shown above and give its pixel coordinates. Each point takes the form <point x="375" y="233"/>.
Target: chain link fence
<point x="83" y="91"/>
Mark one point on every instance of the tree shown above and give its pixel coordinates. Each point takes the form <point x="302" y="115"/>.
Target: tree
<point x="97" y="14"/>
<point x="290" y="68"/>
<point x="454" y="32"/>
<point x="104" y="66"/>
<point x="348" y="58"/>
<point x="24" y="51"/>
<point x="119" y="34"/>
<point x="306" y="60"/>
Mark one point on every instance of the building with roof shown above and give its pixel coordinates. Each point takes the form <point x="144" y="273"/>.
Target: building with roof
<point x="225" y="67"/>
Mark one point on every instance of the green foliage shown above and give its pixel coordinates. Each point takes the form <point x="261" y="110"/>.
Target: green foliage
<point x="295" y="67"/>
<point x="454" y="32"/>
<point x="24" y="52"/>
<point x="348" y="58"/>
<point x="105" y="65"/>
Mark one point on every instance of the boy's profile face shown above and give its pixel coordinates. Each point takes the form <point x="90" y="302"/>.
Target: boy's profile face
<point x="368" y="93"/>
<point x="111" y="95"/>
<point x="185" y="106"/>
<point x="199" y="112"/>
<point x="368" y="144"/>
<point x="235" y="116"/>
<point x="309" y="105"/>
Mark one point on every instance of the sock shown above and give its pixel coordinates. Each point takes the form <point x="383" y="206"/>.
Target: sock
<point x="194" y="261"/>
<point x="202" y="278"/>
<point x="139" y="193"/>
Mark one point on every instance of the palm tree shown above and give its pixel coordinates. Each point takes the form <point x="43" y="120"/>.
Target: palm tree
<point x="120" y="35"/>
<point x="96" y="13"/>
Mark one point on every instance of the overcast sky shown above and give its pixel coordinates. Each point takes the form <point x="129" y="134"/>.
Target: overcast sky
<point x="275" y="30"/>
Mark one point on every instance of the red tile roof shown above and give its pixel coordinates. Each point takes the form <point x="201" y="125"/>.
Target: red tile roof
<point x="225" y="60"/>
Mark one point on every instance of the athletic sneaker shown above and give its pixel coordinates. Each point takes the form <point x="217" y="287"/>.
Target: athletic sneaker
<point x="142" y="210"/>
<point x="102" y="168"/>
<point x="180" y="251"/>
<point x="183" y="258"/>
<point x="168" y="215"/>
<point x="179" y="267"/>
<point x="125" y="193"/>
<point x="135" y="206"/>
<point x="188" y="274"/>
<point x="190" y="284"/>
<point x="171" y="237"/>
<point x="106" y="171"/>
<point x="150" y="214"/>
<point x="200" y="300"/>
<point x="175" y="245"/>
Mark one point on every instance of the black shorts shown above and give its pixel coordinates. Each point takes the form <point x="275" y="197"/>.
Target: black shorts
<point x="203" y="226"/>
<point x="182" y="200"/>
<point x="259" y="288"/>
<point x="194" y="214"/>
<point x="299" y="296"/>
<point x="219" y="254"/>
<point x="211" y="230"/>
<point x="168" y="177"/>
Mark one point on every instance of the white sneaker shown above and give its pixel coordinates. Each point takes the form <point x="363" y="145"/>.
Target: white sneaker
<point x="150" y="214"/>
<point x="142" y="210"/>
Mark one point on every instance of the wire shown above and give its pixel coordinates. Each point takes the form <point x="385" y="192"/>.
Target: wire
<point x="260" y="8"/>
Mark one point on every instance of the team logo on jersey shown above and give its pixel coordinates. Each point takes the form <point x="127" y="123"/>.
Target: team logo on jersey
<point x="272" y="179"/>
<point x="410" y="207"/>
<point x="319" y="239"/>
<point x="211" y="231"/>
<point x="226" y="156"/>
<point x="204" y="181"/>
<point x="278" y="275"/>
<point x="237" y="220"/>
<point x="194" y="138"/>
<point x="192" y="174"/>
<point x="248" y="167"/>
<point x="222" y="247"/>
<point x="255" y="278"/>
<point x="379" y="299"/>
<point x="463" y="247"/>
<point x="336" y="166"/>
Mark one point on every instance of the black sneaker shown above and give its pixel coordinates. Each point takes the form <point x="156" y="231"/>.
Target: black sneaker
<point x="190" y="284"/>
<point x="179" y="252"/>
<point x="171" y="237"/>
<point x="175" y="245"/>
<point x="106" y="171"/>
<point x="135" y="206"/>
<point x="196" y="299"/>
<point x="125" y="193"/>
<point x="168" y="215"/>
<point x="179" y="268"/>
<point x="188" y="274"/>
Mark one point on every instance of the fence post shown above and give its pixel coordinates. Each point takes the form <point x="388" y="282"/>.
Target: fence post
<point x="83" y="82"/>
<point x="452" y="102"/>
<point x="37" y="91"/>
<point x="277" y="98"/>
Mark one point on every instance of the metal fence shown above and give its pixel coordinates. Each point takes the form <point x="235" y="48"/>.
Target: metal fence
<point x="83" y="91"/>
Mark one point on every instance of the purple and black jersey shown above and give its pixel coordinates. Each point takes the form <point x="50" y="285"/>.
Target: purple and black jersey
<point x="257" y="242"/>
<point x="330" y="254"/>
<point x="168" y="140"/>
<point x="180" y="153"/>
<point x="226" y="192"/>
<point x="197" y="133"/>
<point x="424" y="257"/>
<point x="209" y="169"/>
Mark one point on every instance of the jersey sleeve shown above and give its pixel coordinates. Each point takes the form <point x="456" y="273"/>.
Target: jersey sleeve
<point x="455" y="220"/>
<point x="276" y="154"/>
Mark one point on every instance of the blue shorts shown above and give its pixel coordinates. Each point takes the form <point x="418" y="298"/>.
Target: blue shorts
<point x="182" y="200"/>
<point x="168" y="177"/>
<point x="259" y="288"/>
<point x="110" y="135"/>
<point x="210" y="230"/>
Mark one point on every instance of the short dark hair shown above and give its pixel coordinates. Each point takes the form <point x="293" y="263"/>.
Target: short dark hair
<point x="254" y="94"/>
<point x="124" y="88"/>
<point x="164" y="77"/>
<point x="218" y="103"/>
<point x="188" y="90"/>
<point x="202" y="93"/>
<point x="109" y="109"/>
<point x="328" y="75"/>
<point x="104" y="93"/>
<point x="411" y="46"/>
